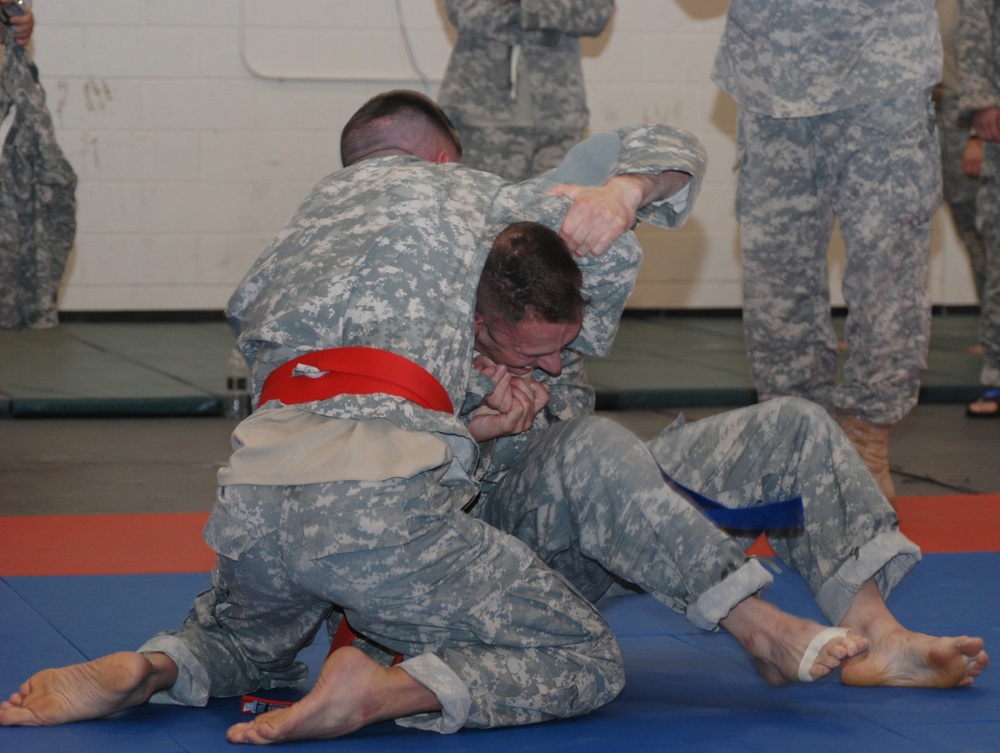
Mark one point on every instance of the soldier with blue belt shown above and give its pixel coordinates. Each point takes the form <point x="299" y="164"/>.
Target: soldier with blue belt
<point x="355" y="499"/>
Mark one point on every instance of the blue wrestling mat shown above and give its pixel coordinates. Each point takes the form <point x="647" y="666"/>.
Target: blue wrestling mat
<point x="686" y="690"/>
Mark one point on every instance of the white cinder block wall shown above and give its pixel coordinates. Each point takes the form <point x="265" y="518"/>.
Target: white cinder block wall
<point x="197" y="126"/>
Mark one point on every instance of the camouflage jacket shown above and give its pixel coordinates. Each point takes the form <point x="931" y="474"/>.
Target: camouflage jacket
<point x="800" y="58"/>
<point x="387" y="254"/>
<point x="978" y="54"/>
<point x="37" y="197"/>
<point x="480" y="87"/>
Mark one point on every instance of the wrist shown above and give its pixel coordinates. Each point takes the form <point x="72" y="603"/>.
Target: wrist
<point x="635" y="188"/>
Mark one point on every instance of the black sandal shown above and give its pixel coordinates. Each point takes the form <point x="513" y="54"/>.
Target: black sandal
<point x="992" y="395"/>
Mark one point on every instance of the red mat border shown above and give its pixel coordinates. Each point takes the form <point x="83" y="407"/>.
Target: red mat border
<point x="172" y="543"/>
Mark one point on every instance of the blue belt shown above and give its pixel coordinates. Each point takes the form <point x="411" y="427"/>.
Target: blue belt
<point x="783" y="515"/>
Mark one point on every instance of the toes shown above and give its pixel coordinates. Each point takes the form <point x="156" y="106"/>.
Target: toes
<point x="827" y="650"/>
<point x="236" y="733"/>
<point x="16" y="716"/>
<point x="241" y="733"/>
<point x="856" y="644"/>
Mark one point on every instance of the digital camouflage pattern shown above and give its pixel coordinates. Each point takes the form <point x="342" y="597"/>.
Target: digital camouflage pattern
<point x="590" y="499"/>
<point x="979" y="86"/>
<point x="955" y="131"/>
<point x="37" y="197"/>
<point x="799" y="58"/>
<point x="387" y="254"/>
<point x="959" y="190"/>
<point x="877" y="169"/>
<point x="514" y="644"/>
<point x="514" y="84"/>
<point x="389" y="288"/>
<point x="835" y="123"/>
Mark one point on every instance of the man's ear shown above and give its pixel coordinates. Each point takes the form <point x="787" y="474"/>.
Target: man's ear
<point x="479" y="321"/>
<point x="444" y="157"/>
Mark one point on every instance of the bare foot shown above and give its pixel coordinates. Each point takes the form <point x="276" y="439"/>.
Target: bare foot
<point x="88" y="691"/>
<point x="352" y="691"/>
<point x="782" y="662"/>
<point x="902" y="658"/>
<point x="777" y="642"/>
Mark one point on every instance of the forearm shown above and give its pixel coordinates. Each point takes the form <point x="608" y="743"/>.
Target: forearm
<point x="976" y="43"/>
<point x="483" y="17"/>
<point x="669" y="153"/>
<point x="639" y="190"/>
<point x="572" y="17"/>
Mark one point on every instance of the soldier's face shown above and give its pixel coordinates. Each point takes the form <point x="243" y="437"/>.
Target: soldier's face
<point x="531" y="344"/>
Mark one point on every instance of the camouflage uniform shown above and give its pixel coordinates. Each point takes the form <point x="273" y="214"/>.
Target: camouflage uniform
<point x="590" y="500"/>
<point x="835" y="122"/>
<point x="955" y="130"/>
<point x="387" y="254"/>
<point x="514" y="84"/>
<point x="979" y="83"/>
<point x="37" y="204"/>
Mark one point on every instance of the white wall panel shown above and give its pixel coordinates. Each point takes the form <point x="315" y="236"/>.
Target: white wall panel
<point x="196" y="127"/>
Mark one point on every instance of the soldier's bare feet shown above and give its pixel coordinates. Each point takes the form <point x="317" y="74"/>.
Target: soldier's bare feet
<point x="902" y="658"/>
<point x="778" y="641"/>
<point x="352" y="691"/>
<point x="88" y="691"/>
<point x="793" y="655"/>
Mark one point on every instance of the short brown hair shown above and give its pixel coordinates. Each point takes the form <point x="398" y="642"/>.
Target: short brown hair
<point x="375" y="123"/>
<point x="530" y="273"/>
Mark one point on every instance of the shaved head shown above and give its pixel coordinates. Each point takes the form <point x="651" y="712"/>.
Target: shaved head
<point x="400" y="122"/>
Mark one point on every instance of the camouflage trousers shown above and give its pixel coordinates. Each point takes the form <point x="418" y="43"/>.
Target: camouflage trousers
<point x="590" y="500"/>
<point x="876" y="169"/>
<point x="497" y="636"/>
<point x="988" y="221"/>
<point x="960" y="190"/>
<point x="514" y="152"/>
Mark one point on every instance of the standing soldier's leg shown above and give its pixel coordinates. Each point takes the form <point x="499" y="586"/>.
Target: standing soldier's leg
<point x="506" y="152"/>
<point x="890" y="185"/>
<point x="960" y="190"/>
<point x="988" y="218"/>
<point x="785" y="214"/>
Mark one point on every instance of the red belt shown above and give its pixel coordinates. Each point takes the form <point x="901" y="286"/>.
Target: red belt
<point x="355" y="371"/>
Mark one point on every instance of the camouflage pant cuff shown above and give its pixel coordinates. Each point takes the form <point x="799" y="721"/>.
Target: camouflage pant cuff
<point x="887" y="558"/>
<point x="451" y="692"/>
<point x="718" y="601"/>
<point x="192" y="686"/>
<point x="990" y="376"/>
